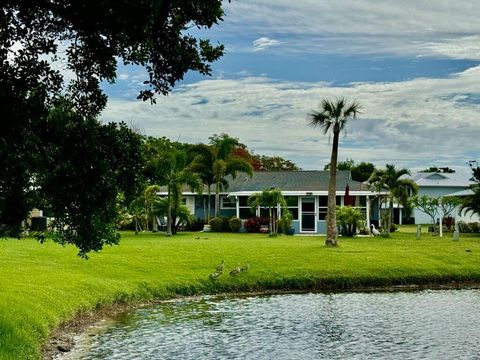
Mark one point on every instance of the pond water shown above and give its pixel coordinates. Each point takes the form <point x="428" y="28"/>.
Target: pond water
<point x="395" y="325"/>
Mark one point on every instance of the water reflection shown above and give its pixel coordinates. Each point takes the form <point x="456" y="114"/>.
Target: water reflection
<point x="428" y="324"/>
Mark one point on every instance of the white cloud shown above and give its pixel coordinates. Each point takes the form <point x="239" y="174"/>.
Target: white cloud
<point x="412" y="123"/>
<point x="408" y="27"/>
<point x="263" y="42"/>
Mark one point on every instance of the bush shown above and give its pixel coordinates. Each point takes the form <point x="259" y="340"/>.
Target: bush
<point x="196" y="225"/>
<point x="463" y="227"/>
<point x="253" y="225"/>
<point x="235" y="224"/>
<point x="285" y="222"/>
<point x="474" y="227"/>
<point x="393" y="227"/>
<point x="216" y="223"/>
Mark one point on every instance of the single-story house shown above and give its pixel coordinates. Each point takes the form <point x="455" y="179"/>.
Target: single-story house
<point x="436" y="185"/>
<point x="306" y="194"/>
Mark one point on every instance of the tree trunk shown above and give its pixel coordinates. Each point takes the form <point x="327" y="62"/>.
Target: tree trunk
<point x="270" y="219"/>
<point x="154" y="223"/>
<point x="390" y="218"/>
<point x="331" y="239"/>
<point x="209" y="201"/>
<point x="217" y="198"/>
<point x="147" y="214"/>
<point x="136" y="225"/>
<point x="169" y="212"/>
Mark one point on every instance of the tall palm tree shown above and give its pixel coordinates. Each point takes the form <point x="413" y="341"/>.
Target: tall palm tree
<point x="215" y="163"/>
<point x="332" y="118"/>
<point x="400" y="190"/>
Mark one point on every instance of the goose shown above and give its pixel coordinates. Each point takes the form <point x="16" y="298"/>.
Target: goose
<point x="375" y="232"/>
<point x="245" y="267"/>
<point x="221" y="266"/>
<point x="215" y="275"/>
<point x="235" y="271"/>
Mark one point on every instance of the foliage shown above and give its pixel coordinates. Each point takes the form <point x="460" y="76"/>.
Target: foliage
<point x="270" y="198"/>
<point x="360" y="172"/>
<point x="349" y="219"/>
<point x="332" y="118"/>
<point x="195" y="225"/>
<point x="285" y="221"/>
<point x="393" y="227"/>
<point x="181" y="217"/>
<point x="253" y="224"/>
<point x="88" y="39"/>
<point x="432" y="169"/>
<point x="235" y="224"/>
<point x="473" y="227"/>
<point x="428" y="205"/>
<point x="216" y="223"/>
<point x="471" y="203"/>
<point x="448" y="204"/>
<point x="400" y="189"/>
<point x="81" y="168"/>
<point x="272" y="163"/>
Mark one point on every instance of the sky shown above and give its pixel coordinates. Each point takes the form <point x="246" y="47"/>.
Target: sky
<point x="414" y="67"/>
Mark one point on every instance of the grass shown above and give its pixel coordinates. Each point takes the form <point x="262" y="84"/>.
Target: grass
<point x="42" y="285"/>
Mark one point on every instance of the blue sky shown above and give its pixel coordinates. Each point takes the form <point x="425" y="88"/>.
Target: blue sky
<point x="413" y="65"/>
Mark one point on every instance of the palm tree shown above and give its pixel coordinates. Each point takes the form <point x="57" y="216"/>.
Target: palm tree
<point x="174" y="170"/>
<point x="215" y="163"/>
<point x="333" y="118"/>
<point x="400" y="190"/>
<point x="472" y="202"/>
<point x="270" y="198"/>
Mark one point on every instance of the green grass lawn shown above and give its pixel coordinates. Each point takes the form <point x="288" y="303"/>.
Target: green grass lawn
<point x="44" y="284"/>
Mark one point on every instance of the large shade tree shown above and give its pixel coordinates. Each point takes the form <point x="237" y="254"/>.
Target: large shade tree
<point x="332" y="118"/>
<point x="400" y="189"/>
<point x="87" y="39"/>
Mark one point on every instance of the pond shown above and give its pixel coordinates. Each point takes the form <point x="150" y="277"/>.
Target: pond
<point x="394" y="325"/>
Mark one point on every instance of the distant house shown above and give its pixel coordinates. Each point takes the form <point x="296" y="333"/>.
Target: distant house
<point x="305" y="192"/>
<point x="436" y="185"/>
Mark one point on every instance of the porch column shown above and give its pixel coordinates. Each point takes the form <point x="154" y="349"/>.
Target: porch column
<point x="368" y="211"/>
<point x="237" y="206"/>
<point x="400" y="213"/>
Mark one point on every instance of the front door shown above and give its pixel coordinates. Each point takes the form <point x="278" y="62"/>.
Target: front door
<point x="308" y="218"/>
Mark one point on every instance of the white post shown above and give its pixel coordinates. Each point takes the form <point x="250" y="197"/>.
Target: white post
<point x="368" y="212"/>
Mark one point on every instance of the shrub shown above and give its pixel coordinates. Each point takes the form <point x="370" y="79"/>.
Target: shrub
<point x="216" y="223"/>
<point x="285" y="222"/>
<point x="474" y="227"/>
<point x="253" y="225"/>
<point x="349" y="219"/>
<point x="196" y="225"/>
<point x="463" y="227"/>
<point x="448" y="222"/>
<point x="235" y="224"/>
<point x="393" y="227"/>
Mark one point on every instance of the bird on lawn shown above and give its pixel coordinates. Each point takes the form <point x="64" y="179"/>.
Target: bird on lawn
<point x="245" y="267"/>
<point x="235" y="271"/>
<point x="375" y="232"/>
<point x="221" y="266"/>
<point x="215" y="275"/>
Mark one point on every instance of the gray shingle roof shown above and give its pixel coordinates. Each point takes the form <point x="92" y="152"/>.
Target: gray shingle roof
<point x="292" y="181"/>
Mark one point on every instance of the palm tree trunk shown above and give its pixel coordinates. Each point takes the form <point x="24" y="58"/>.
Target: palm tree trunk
<point x="217" y="198"/>
<point x="390" y="218"/>
<point x="136" y="224"/>
<point x="331" y="239"/>
<point x="270" y="219"/>
<point x="169" y="212"/>
<point x="209" y="201"/>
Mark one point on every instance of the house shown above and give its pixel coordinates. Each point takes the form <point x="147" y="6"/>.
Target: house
<point x="436" y="185"/>
<point x="305" y="193"/>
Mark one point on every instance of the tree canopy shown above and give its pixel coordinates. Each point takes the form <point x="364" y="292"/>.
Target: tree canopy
<point x="62" y="51"/>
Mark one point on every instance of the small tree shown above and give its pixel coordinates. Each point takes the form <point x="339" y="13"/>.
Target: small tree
<point x="427" y="205"/>
<point x="448" y="204"/>
<point x="350" y="219"/>
<point x="270" y="198"/>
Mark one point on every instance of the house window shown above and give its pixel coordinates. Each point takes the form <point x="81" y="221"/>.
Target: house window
<point x="292" y="205"/>
<point x="322" y="207"/>
<point x="227" y="202"/>
<point x="244" y="210"/>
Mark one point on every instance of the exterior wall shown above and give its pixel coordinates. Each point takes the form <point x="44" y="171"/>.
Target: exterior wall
<point x="421" y="217"/>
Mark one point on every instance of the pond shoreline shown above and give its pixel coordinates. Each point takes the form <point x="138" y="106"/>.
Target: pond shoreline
<point x="63" y="338"/>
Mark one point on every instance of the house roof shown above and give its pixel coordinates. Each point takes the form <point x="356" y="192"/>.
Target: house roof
<point x="314" y="181"/>
<point x="439" y="179"/>
<point x="293" y="181"/>
<point x="461" y="193"/>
